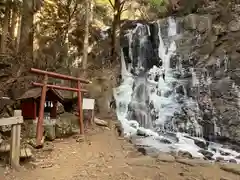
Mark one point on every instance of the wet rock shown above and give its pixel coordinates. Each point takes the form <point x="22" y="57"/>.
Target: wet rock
<point x="185" y="154"/>
<point x="119" y="129"/>
<point x="234" y="161"/>
<point x="224" y="153"/>
<point x="201" y="144"/>
<point x="142" y="150"/>
<point x="206" y="153"/>
<point x="219" y="159"/>
<point x="165" y="141"/>
<point x="142" y="133"/>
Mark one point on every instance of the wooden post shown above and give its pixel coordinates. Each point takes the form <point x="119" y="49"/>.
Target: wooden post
<point x="15" y="142"/>
<point x="41" y="112"/>
<point x="92" y="118"/>
<point x="80" y="108"/>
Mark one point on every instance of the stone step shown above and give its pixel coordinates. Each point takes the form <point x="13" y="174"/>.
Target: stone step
<point x="24" y="152"/>
<point x="4" y="148"/>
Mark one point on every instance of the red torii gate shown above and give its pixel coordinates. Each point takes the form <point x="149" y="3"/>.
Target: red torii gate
<point x="44" y="86"/>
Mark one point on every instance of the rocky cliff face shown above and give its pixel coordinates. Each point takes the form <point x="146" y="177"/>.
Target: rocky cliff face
<point x="209" y="55"/>
<point x="210" y="41"/>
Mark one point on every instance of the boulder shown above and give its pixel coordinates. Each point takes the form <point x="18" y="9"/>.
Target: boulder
<point x="207" y="154"/>
<point x="234" y="25"/>
<point x="63" y="128"/>
<point x="142" y="133"/>
<point x="233" y="161"/>
<point x="184" y="154"/>
<point x="50" y="131"/>
<point x="100" y="122"/>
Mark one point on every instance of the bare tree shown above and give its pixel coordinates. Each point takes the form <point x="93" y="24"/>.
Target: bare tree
<point x="6" y="21"/>
<point x="86" y="38"/>
<point x="117" y="6"/>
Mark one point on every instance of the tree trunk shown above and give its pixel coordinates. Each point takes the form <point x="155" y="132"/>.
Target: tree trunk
<point x="17" y="42"/>
<point x="115" y="44"/>
<point x="13" y="26"/>
<point x="86" y="42"/>
<point x="5" y="33"/>
<point x="26" y="34"/>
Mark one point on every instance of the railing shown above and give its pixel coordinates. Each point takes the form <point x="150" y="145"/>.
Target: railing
<point x="15" y="122"/>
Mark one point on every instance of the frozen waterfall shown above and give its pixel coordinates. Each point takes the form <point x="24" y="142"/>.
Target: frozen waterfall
<point x="151" y="100"/>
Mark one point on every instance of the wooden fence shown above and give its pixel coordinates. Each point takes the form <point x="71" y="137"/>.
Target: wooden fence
<point x="15" y="122"/>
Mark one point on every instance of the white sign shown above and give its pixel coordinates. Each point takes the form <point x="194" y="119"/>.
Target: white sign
<point x="88" y="103"/>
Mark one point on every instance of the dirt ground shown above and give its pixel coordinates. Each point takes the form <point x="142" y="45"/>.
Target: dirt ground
<point x="104" y="156"/>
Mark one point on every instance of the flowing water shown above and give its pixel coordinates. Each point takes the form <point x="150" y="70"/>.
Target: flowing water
<point x="151" y="100"/>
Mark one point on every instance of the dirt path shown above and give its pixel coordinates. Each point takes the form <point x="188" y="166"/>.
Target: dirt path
<point x="103" y="156"/>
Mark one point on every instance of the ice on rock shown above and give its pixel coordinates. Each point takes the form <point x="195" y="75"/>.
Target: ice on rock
<point x="147" y="99"/>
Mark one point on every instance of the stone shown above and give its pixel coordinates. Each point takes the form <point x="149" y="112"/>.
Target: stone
<point x="63" y="128"/>
<point x="206" y="154"/>
<point x="219" y="159"/>
<point x="184" y="154"/>
<point x="229" y="167"/>
<point x="219" y="29"/>
<point x="201" y="23"/>
<point x="234" y="25"/>
<point x="50" y="131"/>
<point x="4" y="148"/>
<point x="119" y="129"/>
<point x="163" y="157"/>
<point x="26" y="153"/>
<point x="100" y="122"/>
<point x="141" y="133"/>
<point x="233" y="161"/>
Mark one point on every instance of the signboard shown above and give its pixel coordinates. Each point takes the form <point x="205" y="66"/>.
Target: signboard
<point x="88" y="104"/>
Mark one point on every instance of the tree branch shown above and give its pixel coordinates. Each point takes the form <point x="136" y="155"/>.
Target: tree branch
<point x="121" y="7"/>
<point x="111" y="3"/>
<point x="123" y="2"/>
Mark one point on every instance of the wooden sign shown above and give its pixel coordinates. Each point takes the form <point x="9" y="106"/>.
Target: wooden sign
<point x="88" y="104"/>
